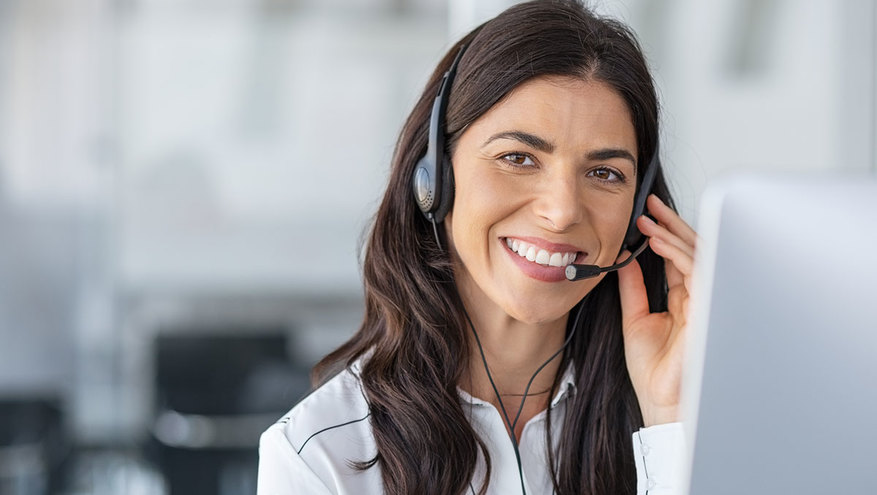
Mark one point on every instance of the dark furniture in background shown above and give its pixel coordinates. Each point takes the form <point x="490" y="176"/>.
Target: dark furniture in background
<point x="33" y="446"/>
<point x="215" y="393"/>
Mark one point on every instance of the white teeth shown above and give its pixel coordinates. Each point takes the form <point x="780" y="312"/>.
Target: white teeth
<point x="541" y="256"/>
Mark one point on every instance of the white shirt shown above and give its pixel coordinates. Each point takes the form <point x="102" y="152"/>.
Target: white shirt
<point x="309" y="450"/>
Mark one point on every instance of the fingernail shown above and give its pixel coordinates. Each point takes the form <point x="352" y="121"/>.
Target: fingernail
<point x="648" y="220"/>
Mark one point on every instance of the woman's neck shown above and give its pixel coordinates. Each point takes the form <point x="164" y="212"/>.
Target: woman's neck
<point x="514" y="350"/>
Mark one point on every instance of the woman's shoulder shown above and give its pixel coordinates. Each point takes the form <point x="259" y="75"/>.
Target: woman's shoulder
<point x="335" y="410"/>
<point x="312" y="447"/>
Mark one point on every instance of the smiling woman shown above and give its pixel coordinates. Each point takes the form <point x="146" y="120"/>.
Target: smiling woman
<point x="479" y="368"/>
<point x="552" y="166"/>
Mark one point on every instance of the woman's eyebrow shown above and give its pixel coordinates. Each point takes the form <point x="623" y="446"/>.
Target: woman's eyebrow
<point x="530" y="140"/>
<point x="610" y="153"/>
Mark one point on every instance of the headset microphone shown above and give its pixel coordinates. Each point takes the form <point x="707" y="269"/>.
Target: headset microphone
<point x="581" y="272"/>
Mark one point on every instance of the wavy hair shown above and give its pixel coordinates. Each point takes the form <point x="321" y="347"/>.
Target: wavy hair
<point x="414" y="333"/>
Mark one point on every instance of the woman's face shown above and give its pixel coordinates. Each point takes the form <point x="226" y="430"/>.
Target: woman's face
<point x="544" y="178"/>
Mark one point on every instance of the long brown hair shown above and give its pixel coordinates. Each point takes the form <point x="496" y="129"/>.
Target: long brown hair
<point x="412" y="333"/>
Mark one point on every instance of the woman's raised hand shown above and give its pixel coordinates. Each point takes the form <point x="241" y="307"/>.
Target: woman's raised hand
<point x="653" y="342"/>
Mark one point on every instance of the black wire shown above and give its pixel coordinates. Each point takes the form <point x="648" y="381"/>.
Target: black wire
<point x="509" y="423"/>
<point x="501" y="406"/>
<point x="492" y="384"/>
<point x="300" y="449"/>
<point x="565" y="343"/>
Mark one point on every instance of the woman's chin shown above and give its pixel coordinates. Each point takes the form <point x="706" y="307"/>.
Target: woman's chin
<point x="539" y="314"/>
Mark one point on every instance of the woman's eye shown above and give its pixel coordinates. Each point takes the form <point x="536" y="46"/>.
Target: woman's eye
<point x="518" y="160"/>
<point x="606" y="174"/>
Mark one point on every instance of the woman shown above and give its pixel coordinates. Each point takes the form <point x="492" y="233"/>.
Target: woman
<point x="479" y="368"/>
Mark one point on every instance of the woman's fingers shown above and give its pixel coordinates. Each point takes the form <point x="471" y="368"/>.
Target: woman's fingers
<point x="632" y="290"/>
<point x="671" y="239"/>
<point x="674" y="276"/>
<point x="677" y="294"/>
<point x="674" y="223"/>
<point x="648" y="227"/>
<point x="681" y="259"/>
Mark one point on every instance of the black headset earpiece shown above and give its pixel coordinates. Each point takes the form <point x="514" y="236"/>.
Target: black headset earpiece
<point x="433" y="180"/>
<point x="634" y="236"/>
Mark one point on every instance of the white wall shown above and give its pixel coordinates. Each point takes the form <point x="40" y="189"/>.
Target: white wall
<point x="799" y="98"/>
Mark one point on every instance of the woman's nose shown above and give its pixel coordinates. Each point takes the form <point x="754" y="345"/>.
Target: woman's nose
<point x="560" y="203"/>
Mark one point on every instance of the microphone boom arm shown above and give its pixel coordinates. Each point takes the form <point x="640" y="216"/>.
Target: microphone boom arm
<point x="581" y="272"/>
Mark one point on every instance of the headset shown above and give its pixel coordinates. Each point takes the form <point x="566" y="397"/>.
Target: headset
<point x="433" y="183"/>
<point x="433" y="180"/>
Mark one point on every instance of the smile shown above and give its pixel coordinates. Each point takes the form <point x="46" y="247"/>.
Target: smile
<point x="538" y="255"/>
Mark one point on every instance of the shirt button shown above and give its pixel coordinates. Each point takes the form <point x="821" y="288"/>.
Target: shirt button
<point x="646" y="449"/>
<point x="651" y="483"/>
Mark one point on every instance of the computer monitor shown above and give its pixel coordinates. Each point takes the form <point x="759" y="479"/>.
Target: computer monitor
<point x="780" y="392"/>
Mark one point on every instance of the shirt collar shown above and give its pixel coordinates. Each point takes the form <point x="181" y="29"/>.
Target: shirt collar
<point x="566" y="388"/>
<point x="567" y="385"/>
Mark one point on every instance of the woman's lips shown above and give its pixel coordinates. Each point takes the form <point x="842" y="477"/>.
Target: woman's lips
<point x="539" y="259"/>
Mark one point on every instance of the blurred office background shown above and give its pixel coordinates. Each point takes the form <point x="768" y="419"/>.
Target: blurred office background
<point x="184" y="185"/>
